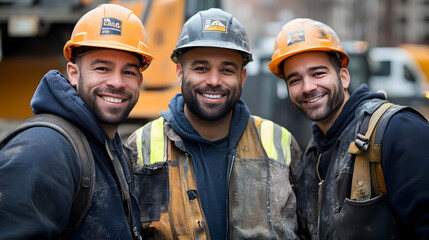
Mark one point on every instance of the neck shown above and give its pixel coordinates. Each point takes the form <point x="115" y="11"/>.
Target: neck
<point x="109" y="129"/>
<point x="210" y="130"/>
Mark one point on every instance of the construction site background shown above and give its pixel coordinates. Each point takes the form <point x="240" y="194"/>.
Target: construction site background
<point x="33" y="33"/>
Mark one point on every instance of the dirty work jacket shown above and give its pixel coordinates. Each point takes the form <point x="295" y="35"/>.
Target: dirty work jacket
<point x="261" y="202"/>
<point x="324" y="208"/>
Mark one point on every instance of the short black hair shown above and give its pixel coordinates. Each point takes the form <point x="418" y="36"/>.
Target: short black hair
<point x="82" y="50"/>
<point x="79" y="51"/>
<point x="334" y="59"/>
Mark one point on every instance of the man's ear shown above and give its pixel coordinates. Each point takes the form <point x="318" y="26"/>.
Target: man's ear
<point x="345" y="78"/>
<point x="179" y="74"/>
<point x="73" y="73"/>
<point x="243" y="77"/>
<point x="141" y="79"/>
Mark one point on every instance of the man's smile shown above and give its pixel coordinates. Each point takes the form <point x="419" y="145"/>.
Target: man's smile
<point x="112" y="99"/>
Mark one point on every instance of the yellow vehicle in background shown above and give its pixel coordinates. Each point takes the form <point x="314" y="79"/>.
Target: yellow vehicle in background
<point x="396" y="71"/>
<point x="33" y="34"/>
<point x="420" y="54"/>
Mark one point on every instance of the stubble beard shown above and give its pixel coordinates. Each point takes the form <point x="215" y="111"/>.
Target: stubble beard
<point x="105" y="116"/>
<point x="334" y="103"/>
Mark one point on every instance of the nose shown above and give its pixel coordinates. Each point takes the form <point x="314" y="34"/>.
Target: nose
<point x="214" y="78"/>
<point x="308" y="85"/>
<point x="116" y="80"/>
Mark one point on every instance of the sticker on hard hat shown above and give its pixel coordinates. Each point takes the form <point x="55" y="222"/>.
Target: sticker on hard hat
<point x="295" y="37"/>
<point x="215" y="25"/>
<point x="111" y="26"/>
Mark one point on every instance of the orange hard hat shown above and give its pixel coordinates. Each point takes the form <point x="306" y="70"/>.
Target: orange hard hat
<point x="304" y="35"/>
<point x="110" y="26"/>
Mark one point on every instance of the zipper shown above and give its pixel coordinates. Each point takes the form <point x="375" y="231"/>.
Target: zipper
<point x="228" y="211"/>
<point x="319" y="196"/>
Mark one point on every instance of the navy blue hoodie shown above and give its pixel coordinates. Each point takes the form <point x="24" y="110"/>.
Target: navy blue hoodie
<point x="40" y="173"/>
<point x="211" y="161"/>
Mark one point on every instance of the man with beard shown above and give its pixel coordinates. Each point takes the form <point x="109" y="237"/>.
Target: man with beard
<point x="207" y="169"/>
<point x="40" y="172"/>
<point x="340" y="195"/>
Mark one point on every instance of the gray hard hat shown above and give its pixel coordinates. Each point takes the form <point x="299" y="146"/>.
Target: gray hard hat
<point x="213" y="28"/>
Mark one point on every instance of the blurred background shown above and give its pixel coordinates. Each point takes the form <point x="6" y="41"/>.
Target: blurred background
<point x="387" y="40"/>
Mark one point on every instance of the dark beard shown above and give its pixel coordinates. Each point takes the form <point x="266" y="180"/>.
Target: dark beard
<point x="209" y="112"/>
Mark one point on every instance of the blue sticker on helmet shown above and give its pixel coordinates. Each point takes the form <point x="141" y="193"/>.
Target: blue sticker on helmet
<point x="295" y="37"/>
<point x="111" y="26"/>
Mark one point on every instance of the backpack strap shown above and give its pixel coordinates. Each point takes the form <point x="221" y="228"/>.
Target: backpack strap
<point x="368" y="176"/>
<point x="367" y="152"/>
<point x="80" y="145"/>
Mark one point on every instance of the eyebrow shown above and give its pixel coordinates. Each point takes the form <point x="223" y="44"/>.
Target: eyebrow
<point x="197" y="62"/>
<point x="110" y="63"/>
<point x="230" y="64"/>
<point x="205" y="62"/>
<point x="310" y="69"/>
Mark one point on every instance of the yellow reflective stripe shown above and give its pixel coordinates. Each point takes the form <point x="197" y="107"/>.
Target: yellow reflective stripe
<point x="139" y="146"/>
<point x="267" y="138"/>
<point x="157" y="140"/>
<point x="286" y="141"/>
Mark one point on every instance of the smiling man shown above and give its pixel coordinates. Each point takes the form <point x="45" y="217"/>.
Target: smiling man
<point x="391" y="201"/>
<point x="207" y="169"/>
<point x="317" y="89"/>
<point x="40" y="171"/>
<point x="108" y="81"/>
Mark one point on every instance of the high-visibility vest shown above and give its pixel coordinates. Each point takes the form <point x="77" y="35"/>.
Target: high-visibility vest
<point x="269" y="132"/>
<point x="167" y="189"/>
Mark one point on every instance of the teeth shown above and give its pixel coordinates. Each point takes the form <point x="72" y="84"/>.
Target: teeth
<point x="112" y="100"/>
<point x="214" y="96"/>
<point x="313" y="100"/>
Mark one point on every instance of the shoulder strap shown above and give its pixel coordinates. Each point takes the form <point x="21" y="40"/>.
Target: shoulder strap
<point x="129" y="160"/>
<point x="367" y="173"/>
<point x="367" y="152"/>
<point x="80" y="145"/>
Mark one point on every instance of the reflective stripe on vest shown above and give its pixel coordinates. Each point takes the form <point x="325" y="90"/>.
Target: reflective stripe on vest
<point x="270" y="133"/>
<point x="276" y="141"/>
<point x="157" y="141"/>
<point x="154" y="132"/>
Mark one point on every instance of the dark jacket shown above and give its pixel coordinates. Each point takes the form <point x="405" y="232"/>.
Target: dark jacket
<point x="404" y="163"/>
<point x="40" y="173"/>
